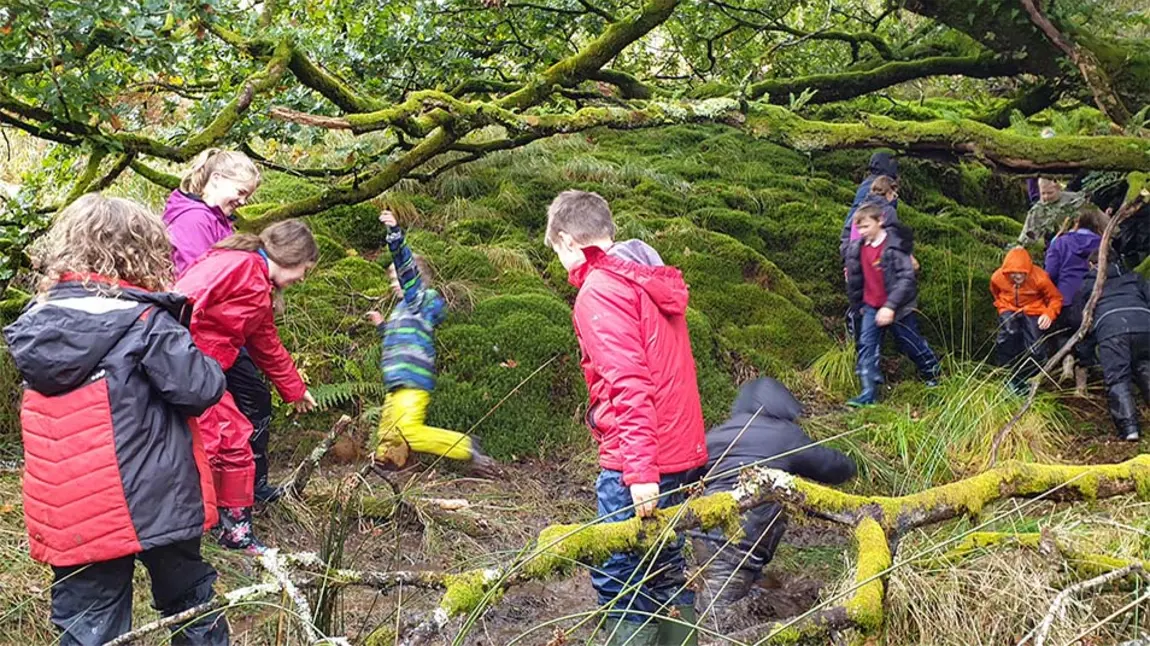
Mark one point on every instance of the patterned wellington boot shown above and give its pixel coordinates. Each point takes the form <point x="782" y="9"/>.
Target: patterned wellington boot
<point x="236" y="531"/>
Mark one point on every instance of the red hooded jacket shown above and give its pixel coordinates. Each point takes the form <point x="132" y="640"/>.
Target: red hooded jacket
<point x="644" y="398"/>
<point x="233" y="309"/>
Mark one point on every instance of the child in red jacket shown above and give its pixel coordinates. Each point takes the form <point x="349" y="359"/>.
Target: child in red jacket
<point x="232" y="287"/>
<point x="644" y="406"/>
<point x="114" y="469"/>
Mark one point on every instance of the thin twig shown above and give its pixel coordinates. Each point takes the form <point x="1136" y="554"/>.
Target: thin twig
<point x="299" y="478"/>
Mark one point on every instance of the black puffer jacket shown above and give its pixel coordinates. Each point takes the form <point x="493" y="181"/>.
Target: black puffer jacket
<point x="897" y="269"/>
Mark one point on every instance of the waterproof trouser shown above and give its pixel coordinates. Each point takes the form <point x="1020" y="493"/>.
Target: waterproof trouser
<point x="254" y="400"/>
<point x="227" y="442"/>
<point x="730" y="569"/>
<point x="1018" y="344"/>
<point x="1125" y="360"/>
<point x="92" y="604"/>
<point x="633" y="587"/>
<point x="404" y="411"/>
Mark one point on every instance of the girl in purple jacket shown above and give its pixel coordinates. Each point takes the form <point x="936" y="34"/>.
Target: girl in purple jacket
<point x="198" y="215"/>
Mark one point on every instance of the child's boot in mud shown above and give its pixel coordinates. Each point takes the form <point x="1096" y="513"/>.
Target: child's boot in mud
<point x="482" y="464"/>
<point x="618" y="632"/>
<point x="681" y="630"/>
<point x="1124" y="411"/>
<point x="236" y="531"/>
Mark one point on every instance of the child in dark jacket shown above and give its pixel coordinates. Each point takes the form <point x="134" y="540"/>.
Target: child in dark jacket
<point x="763" y="430"/>
<point x="115" y="469"/>
<point x="1120" y="330"/>
<point x="644" y="410"/>
<point x="408" y="364"/>
<point x="883" y="290"/>
<point x="881" y="164"/>
<point x="1027" y="303"/>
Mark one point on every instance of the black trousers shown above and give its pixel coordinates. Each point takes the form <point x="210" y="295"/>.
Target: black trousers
<point x="1125" y="360"/>
<point x="1018" y="340"/>
<point x="92" y="604"/>
<point x="254" y="400"/>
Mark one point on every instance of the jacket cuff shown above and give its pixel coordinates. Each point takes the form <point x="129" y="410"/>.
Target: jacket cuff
<point x="644" y="476"/>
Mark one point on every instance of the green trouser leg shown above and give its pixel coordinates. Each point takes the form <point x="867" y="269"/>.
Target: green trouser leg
<point x="680" y="631"/>
<point x="629" y="633"/>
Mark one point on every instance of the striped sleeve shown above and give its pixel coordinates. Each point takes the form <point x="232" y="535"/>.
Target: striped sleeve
<point x="405" y="269"/>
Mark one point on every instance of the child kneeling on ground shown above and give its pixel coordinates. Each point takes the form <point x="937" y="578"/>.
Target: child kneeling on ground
<point x="883" y="289"/>
<point x="408" y="364"/>
<point x="115" y="470"/>
<point x="763" y="430"/>
<point x="1028" y="303"/>
<point x="644" y="409"/>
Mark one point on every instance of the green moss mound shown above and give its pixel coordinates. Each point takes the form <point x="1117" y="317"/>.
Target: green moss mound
<point x="754" y="228"/>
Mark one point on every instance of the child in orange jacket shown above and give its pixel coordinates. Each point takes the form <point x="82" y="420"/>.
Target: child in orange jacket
<point x="1028" y="302"/>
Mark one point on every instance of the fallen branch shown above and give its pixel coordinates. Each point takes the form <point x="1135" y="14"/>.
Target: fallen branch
<point x="1060" y="600"/>
<point x="220" y="603"/>
<point x="276" y="566"/>
<point x="297" y="481"/>
<point x="1128" y="209"/>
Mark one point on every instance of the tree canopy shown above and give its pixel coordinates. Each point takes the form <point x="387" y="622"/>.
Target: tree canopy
<point x="428" y="85"/>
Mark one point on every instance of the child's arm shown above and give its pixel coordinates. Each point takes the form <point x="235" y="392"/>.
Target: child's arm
<point x="273" y="359"/>
<point x="406" y="270"/>
<point x="186" y="378"/>
<point x="822" y="464"/>
<point x="906" y="285"/>
<point x="609" y="330"/>
<point x="1050" y="295"/>
<point x="1053" y="263"/>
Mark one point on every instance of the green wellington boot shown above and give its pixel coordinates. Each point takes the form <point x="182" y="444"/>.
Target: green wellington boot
<point x="629" y="633"/>
<point x="680" y="631"/>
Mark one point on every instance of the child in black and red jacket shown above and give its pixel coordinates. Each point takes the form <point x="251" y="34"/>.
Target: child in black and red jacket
<point x="115" y="471"/>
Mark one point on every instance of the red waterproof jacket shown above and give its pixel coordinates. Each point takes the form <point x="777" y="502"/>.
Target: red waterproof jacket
<point x="644" y="398"/>
<point x="233" y="309"/>
<point x="113" y="463"/>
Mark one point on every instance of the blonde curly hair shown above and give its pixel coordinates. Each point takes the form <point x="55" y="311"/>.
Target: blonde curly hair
<point x="110" y="237"/>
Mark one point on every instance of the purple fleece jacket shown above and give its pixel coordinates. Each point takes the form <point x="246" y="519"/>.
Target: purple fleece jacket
<point x="1068" y="259"/>
<point x="193" y="227"/>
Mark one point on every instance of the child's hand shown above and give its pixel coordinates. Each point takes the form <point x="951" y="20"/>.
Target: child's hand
<point x="375" y="317"/>
<point x="1044" y="322"/>
<point x="884" y="317"/>
<point x="646" y="497"/>
<point x="388" y="218"/>
<point x="305" y="404"/>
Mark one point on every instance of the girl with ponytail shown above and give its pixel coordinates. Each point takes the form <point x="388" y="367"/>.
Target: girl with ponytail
<point x="199" y="213"/>
<point x="233" y="287"/>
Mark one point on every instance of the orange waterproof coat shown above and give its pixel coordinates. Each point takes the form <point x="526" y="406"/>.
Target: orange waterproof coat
<point x="1037" y="295"/>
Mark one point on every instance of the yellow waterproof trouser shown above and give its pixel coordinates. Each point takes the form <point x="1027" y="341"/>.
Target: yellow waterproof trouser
<point x="401" y="426"/>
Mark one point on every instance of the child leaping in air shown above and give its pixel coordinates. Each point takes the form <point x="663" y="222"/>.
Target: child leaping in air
<point x="408" y="365"/>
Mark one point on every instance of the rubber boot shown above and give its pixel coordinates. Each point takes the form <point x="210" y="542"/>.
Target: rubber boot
<point x="868" y="396"/>
<point x="1080" y="379"/>
<point x="681" y="630"/>
<point x="1124" y="411"/>
<point x="629" y="633"/>
<point x="1142" y="378"/>
<point x="237" y="532"/>
<point x="482" y="464"/>
<point x="1067" y="369"/>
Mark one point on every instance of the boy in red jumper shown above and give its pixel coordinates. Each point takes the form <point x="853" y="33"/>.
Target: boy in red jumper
<point x="644" y="406"/>
<point x="883" y="289"/>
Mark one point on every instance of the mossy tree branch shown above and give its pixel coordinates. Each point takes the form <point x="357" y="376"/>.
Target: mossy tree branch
<point x="159" y="178"/>
<point x="88" y="176"/>
<point x="846" y="85"/>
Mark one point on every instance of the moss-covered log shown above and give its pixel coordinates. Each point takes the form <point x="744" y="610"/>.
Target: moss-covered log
<point x="847" y="85"/>
<point x="965" y="497"/>
<point x="1007" y="151"/>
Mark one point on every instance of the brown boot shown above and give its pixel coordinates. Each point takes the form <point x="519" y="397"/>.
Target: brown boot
<point x="1079" y="381"/>
<point x="1067" y="369"/>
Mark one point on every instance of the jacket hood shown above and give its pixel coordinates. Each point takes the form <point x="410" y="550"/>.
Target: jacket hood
<point x="772" y="397"/>
<point x="180" y="203"/>
<point x="1017" y="260"/>
<point x="1082" y="243"/>
<point x="882" y="164"/>
<point x="57" y="343"/>
<point x="636" y="262"/>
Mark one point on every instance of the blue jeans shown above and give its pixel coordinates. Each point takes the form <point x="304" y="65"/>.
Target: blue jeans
<point x="617" y="581"/>
<point x="908" y="339"/>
